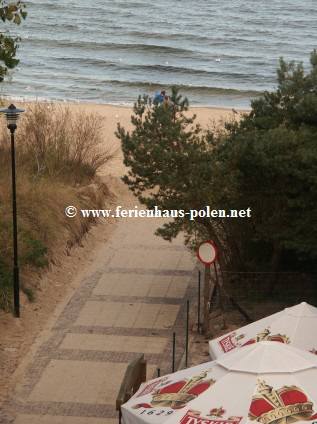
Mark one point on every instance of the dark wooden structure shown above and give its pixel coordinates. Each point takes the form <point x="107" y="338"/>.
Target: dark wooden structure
<point x="134" y="376"/>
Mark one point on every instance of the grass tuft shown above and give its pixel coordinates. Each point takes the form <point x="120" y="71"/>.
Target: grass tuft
<point x="58" y="154"/>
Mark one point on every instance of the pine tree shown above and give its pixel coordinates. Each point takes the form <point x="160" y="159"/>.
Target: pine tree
<point x="293" y="103"/>
<point x="267" y="161"/>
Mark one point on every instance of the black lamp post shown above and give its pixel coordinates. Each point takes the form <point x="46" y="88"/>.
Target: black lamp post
<point x="12" y="114"/>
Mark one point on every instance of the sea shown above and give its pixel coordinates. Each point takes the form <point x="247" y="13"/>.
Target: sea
<point x="221" y="53"/>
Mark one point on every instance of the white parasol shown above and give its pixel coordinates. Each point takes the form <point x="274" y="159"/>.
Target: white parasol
<point x="296" y="326"/>
<point x="268" y="383"/>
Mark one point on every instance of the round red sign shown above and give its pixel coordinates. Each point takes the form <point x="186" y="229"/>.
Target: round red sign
<point x="207" y="252"/>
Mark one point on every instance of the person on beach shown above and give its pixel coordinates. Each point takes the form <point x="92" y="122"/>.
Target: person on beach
<point x="167" y="101"/>
<point x="159" y="97"/>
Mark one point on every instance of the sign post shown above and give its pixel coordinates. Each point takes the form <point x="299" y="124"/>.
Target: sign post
<point x="207" y="254"/>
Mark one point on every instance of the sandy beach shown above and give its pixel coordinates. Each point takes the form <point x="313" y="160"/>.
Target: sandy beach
<point x="114" y="114"/>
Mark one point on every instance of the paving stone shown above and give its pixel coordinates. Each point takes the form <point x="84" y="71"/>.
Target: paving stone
<point x="114" y="343"/>
<point x="102" y="356"/>
<point x="119" y="314"/>
<point x="80" y="382"/>
<point x="116" y="284"/>
<point x="148" y="259"/>
<point x="138" y="258"/>
<point x="186" y="262"/>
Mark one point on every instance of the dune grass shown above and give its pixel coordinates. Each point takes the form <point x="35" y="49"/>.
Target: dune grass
<point x="57" y="154"/>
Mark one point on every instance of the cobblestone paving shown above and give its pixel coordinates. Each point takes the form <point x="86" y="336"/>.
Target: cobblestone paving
<point x="75" y="375"/>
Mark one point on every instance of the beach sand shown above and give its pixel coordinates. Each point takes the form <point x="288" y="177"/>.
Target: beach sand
<point x="122" y="114"/>
<point x="114" y="114"/>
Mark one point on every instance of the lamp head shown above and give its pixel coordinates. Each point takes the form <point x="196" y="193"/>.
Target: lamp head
<point x="12" y="114"/>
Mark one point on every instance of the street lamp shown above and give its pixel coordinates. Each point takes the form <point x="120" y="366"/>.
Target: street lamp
<point x="12" y="114"/>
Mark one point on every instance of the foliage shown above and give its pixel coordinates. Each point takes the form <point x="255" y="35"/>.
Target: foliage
<point x="267" y="162"/>
<point x="34" y="253"/>
<point x="65" y="145"/>
<point x="169" y="160"/>
<point x="6" y="283"/>
<point x="275" y="153"/>
<point x="293" y="104"/>
<point x="276" y="175"/>
<point x="13" y="12"/>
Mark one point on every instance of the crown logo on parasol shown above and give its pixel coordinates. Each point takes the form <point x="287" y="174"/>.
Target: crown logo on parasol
<point x="266" y="335"/>
<point x="286" y="405"/>
<point x="177" y="395"/>
<point x="216" y="412"/>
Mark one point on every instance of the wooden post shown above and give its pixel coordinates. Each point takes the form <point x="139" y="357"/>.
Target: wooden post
<point x="206" y="301"/>
<point x="187" y="331"/>
<point x="173" y="353"/>
<point x="198" y="312"/>
<point x="135" y="375"/>
<point x="221" y="297"/>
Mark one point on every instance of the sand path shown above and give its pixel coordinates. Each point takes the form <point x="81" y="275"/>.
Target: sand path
<point x="129" y="299"/>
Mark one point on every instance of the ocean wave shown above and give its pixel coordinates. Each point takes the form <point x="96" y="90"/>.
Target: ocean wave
<point x="194" y="71"/>
<point x="154" y="70"/>
<point x="170" y="36"/>
<point x="82" y="44"/>
<point x="127" y="4"/>
<point x="151" y="87"/>
<point x="191" y="53"/>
